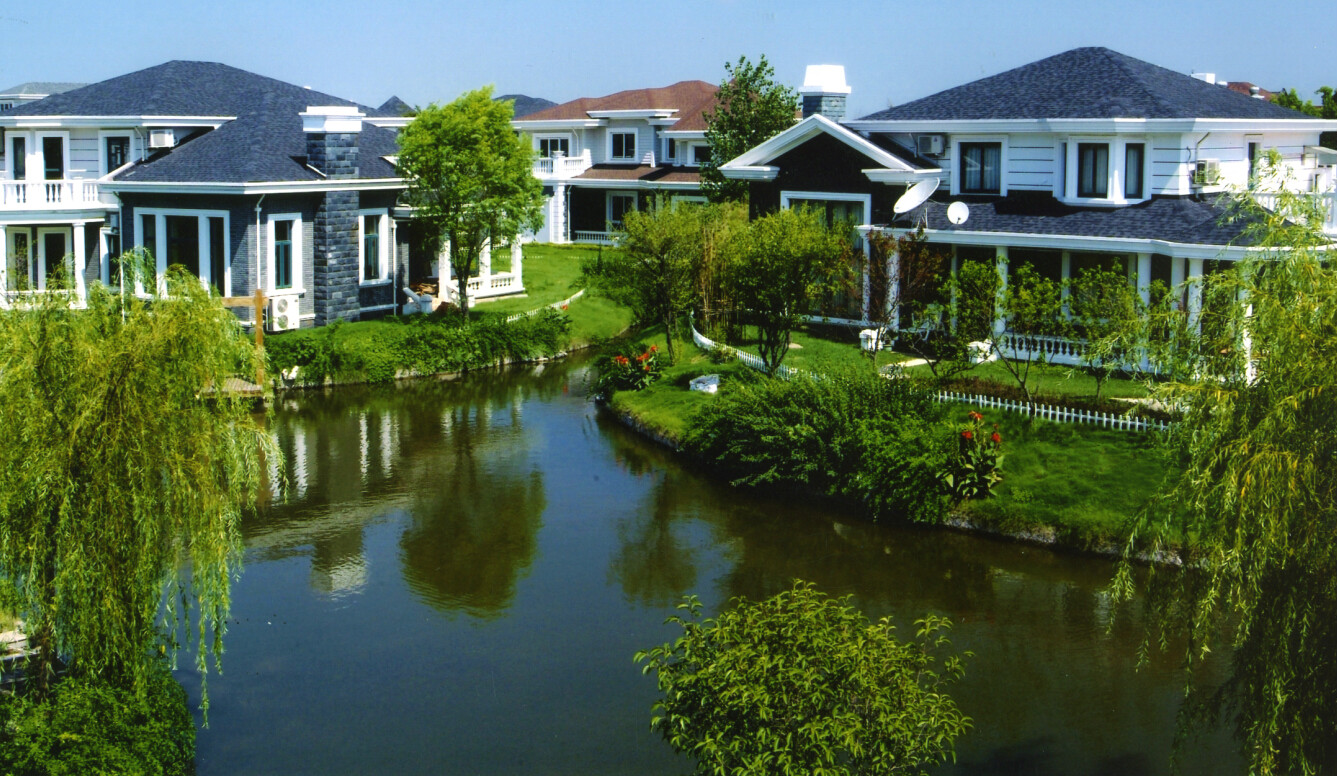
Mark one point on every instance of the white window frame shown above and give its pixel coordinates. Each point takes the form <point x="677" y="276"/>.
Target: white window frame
<point x="608" y="212"/>
<point x="538" y="142"/>
<point x="297" y="256"/>
<point x="692" y="160"/>
<point x="36" y="153"/>
<point x="27" y="154"/>
<point x="10" y="233"/>
<point x="786" y="197"/>
<point x="37" y="248"/>
<point x="383" y="261"/>
<point x="102" y="135"/>
<point x="159" y="247"/>
<point x="1118" y="159"/>
<point x="635" y="143"/>
<point x="671" y="146"/>
<point x="957" y="163"/>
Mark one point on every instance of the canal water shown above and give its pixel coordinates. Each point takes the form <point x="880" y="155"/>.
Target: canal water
<point x="459" y="572"/>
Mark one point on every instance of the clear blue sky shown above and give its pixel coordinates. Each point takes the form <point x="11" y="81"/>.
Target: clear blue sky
<point x="425" y="50"/>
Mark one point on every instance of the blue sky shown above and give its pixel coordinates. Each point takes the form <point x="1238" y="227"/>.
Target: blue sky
<point x="424" y="51"/>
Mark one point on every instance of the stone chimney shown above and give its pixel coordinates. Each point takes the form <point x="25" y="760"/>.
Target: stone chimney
<point x="824" y="91"/>
<point x="331" y="139"/>
<point x="332" y="150"/>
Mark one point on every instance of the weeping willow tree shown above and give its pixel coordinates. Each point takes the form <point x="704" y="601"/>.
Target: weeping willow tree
<point x="123" y="471"/>
<point x="1253" y="512"/>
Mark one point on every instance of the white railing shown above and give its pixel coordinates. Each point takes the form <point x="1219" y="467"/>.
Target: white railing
<point x="562" y="166"/>
<point x="598" y="238"/>
<point x="1060" y="414"/>
<point x="1328" y="206"/>
<point x="47" y="195"/>
<point x="554" y="306"/>
<point x="1044" y="411"/>
<point x="500" y="284"/>
<point x="1054" y="350"/>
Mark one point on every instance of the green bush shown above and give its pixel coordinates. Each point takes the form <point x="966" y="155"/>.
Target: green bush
<point x="847" y="433"/>
<point x="379" y="351"/>
<point x="627" y="367"/>
<point x="88" y="727"/>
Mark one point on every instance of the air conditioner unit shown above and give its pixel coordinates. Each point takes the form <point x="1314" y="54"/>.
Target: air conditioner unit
<point x="930" y="145"/>
<point x="162" y="138"/>
<point x="283" y="314"/>
<point x="1207" y="173"/>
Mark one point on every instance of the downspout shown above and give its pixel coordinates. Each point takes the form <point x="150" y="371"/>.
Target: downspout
<point x="1196" y="145"/>
<point x="394" y="262"/>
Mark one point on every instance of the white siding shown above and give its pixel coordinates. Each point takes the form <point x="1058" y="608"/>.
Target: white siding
<point x="83" y="153"/>
<point x="1030" y="163"/>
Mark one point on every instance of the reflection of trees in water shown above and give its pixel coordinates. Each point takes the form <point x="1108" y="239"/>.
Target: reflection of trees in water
<point x="653" y="566"/>
<point x="452" y="452"/>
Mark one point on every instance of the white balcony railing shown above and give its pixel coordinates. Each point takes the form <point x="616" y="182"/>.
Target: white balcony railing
<point x="594" y="238"/>
<point x="48" y="195"/>
<point x="562" y="166"/>
<point x="1328" y="207"/>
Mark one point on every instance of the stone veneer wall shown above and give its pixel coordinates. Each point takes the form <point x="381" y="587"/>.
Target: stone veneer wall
<point x="830" y="105"/>
<point x="335" y="228"/>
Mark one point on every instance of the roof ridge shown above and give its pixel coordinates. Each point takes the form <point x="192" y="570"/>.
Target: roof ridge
<point x="1120" y="60"/>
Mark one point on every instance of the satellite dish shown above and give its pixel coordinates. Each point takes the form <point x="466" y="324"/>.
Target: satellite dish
<point x="916" y="196"/>
<point x="958" y="212"/>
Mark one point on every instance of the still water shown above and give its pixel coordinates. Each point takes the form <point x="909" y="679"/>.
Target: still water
<point x="461" y="571"/>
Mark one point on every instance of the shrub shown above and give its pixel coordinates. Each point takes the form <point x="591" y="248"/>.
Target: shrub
<point x="974" y="470"/>
<point x="847" y="433"/>
<point x="627" y="368"/>
<point x="89" y="727"/>
<point x="803" y="683"/>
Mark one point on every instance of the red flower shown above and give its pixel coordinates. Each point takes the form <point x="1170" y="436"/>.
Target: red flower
<point x="995" y="438"/>
<point x="968" y="434"/>
<point x="564" y="307"/>
<point x="642" y="356"/>
<point x="646" y="367"/>
<point x="654" y="348"/>
<point x="976" y="416"/>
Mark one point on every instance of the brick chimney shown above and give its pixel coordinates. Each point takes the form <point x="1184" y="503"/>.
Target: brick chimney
<point x="824" y="91"/>
<point x="332" y="150"/>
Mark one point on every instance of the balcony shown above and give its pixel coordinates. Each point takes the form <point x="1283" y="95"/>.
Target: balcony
<point x="48" y="195"/>
<point x="1328" y="207"/>
<point x="561" y="167"/>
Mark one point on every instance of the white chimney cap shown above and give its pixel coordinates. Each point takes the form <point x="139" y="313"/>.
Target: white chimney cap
<point x="824" y="79"/>
<point x="1208" y="77"/>
<point x="332" y="118"/>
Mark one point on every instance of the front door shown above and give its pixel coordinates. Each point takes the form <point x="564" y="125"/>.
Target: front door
<point x="18" y="259"/>
<point x="53" y="257"/>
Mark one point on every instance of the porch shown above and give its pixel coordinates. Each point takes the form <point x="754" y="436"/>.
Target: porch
<point x="561" y="167"/>
<point x="487" y="284"/>
<point x="48" y="195"/>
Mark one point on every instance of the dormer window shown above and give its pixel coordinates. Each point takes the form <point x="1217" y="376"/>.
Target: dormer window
<point x="623" y="146"/>
<point x="1093" y="170"/>
<point x="981" y="168"/>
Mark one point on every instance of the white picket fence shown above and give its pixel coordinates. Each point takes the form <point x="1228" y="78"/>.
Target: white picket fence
<point x="554" y="305"/>
<point x="1057" y="414"/>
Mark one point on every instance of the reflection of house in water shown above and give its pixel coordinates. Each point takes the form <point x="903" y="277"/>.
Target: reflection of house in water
<point x="450" y="459"/>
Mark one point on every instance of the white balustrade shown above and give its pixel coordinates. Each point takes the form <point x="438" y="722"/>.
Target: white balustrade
<point x="48" y="195"/>
<point x="563" y="166"/>
<point x="597" y="238"/>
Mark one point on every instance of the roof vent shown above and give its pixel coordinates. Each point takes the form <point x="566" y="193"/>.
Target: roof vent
<point x="1206" y="77"/>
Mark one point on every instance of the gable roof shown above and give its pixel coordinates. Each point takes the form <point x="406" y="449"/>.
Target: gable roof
<point x="263" y="141"/>
<point x="1086" y="83"/>
<point x="688" y="98"/>
<point x="902" y="166"/>
<point x="525" y="105"/>
<point x="39" y="88"/>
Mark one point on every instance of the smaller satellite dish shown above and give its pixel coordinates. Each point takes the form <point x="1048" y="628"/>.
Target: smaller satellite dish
<point x="958" y="212"/>
<point x="916" y="196"/>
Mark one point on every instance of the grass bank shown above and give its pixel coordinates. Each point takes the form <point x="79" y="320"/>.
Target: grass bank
<point x="1072" y="485"/>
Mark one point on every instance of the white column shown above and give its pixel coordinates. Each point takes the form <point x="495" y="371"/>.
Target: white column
<point x="206" y="263"/>
<point x="1065" y="274"/>
<point x="485" y="259"/>
<point x="80" y="258"/>
<point x="4" y="260"/>
<point x="517" y="260"/>
<point x="1177" y="280"/>
<point x="557" y="229"/>
<point x="955" y="267"/>
<point x="1194" y="293"/>
<point x="443" y="271"/>
<point x="894" y="291"/>
<point x="867" y="288"/>
<point x="1000" y="264"/>
<point x="160" y="251"/>
<point x="1144" y="277"/>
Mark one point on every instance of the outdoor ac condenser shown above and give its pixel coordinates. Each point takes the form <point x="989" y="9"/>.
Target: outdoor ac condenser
<point x="283" y="314"/>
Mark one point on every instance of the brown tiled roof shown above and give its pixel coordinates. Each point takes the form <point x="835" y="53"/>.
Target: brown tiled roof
<point x="662" y="173"/>
<point x="683" y="96"/>
<point x="1244" y="87"/>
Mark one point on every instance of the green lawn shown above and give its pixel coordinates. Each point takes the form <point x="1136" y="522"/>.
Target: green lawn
<point x="551" y="274"/>
<point x="1050" y="379"/>
<point x="668" y="404"/>
<point x="821" y="347"/>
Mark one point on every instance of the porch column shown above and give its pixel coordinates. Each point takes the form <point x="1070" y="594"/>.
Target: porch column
<point x="955" y="266"/>
<point x="1000" y="264"/>
<point x="80" y="257"/>
<point x="4" y="260"/>
<point x="485" y="259"/>
<point x="1177" y="280"/>
<point x="104" y="256"/>
<point x="1065" y="276"/>
<point x="1144" y="277"/>
<point x="443" y="271"/>
<point x="517" y="259"/>
<point x="557" y="229"/>
<point x="1195" y="294"/>
<point x="894" y="291"/>
<point x="867" y="289"/>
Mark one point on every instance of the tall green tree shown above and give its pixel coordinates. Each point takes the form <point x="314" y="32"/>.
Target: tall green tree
<point x="750" y="108"/>
<point x="1252" y="511"/>
<point x="787" y="260"/>
<point x="657" y="269"/>
<point x="470" y="178"/>
<point x="803" y="683"/>
<point x="1108" y="313"/>
<point x="124" y="468"/>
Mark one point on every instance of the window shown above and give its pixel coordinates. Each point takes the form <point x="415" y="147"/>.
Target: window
<point x="183" y="242"/>
<point x="284" y="234"/>
<point x="1093" y="170"/>
<point x="373" y="247"/>
<point x="623" y="145"/>
<point x="1132" y="167"/>
<point x="671" y="149"/>
<point x="148" y="234"/>
<point x="117" y="151"/>
<point x="53" y="158"/>
<point x="700" y="154"/>
<point x="618" y="205"/>
<point x="981" y="168"/>
<point x="20" y="164"/>
<point x="552" y="146"/>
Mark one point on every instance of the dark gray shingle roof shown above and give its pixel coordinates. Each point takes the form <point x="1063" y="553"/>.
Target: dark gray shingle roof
<point x="1182" y="220"/>
<point x="34" y="88"/>
<point x="264" y="143"/>
<point x="1094" y="83"/>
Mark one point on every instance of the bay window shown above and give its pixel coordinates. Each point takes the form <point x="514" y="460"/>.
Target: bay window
<point x="1093" y="170"/>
